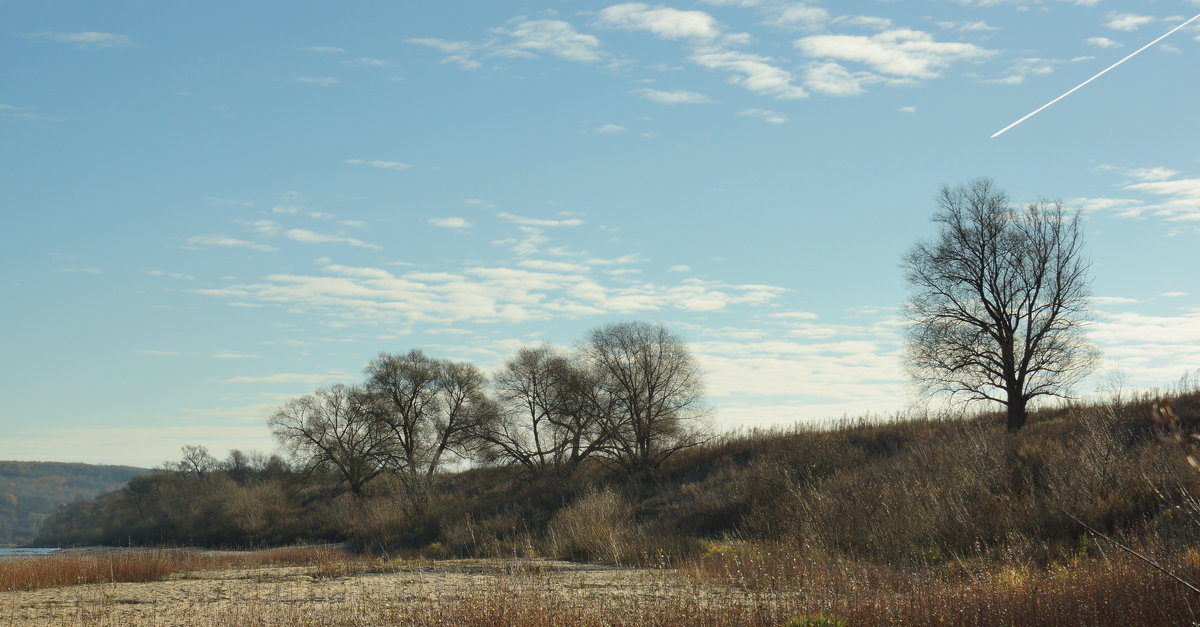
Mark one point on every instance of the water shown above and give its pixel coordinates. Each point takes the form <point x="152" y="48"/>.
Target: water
<point x="9" y="553"/>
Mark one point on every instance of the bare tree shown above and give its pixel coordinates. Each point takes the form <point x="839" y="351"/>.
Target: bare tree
<point x="334" y="429"/>
<point x="427" y="407"/>
<point x="999" y="300"/>
<point x="656" y="392"/>
<point x="549" y="413"/>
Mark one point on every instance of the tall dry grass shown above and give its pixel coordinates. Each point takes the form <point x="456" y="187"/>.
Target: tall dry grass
<point x="139" y="565"/>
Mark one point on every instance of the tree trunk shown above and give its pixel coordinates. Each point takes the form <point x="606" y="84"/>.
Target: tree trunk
<point x="1016" y="412"/>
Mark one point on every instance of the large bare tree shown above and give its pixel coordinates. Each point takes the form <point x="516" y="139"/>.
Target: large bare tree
<point x="550" y="413"/>
<point x="334" y="429"/>
<point x="656" y="391"/>
<point x="999" y="300"/>
<point x="428" y="408"/>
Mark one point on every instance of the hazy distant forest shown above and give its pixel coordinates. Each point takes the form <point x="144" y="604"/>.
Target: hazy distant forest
<point x="607" y="451"/>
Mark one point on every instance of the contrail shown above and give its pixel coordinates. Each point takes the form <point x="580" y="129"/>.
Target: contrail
<point x="1098" y="75"/>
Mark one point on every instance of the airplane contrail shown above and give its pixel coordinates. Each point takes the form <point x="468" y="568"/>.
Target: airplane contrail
<point x="1098" y="75"/>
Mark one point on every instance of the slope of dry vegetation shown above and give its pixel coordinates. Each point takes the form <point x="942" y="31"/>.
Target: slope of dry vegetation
<point x="913" y="521"/>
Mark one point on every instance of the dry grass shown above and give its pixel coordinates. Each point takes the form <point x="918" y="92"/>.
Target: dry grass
<point x="734" y="583"/>
<point x="139" y="565"/>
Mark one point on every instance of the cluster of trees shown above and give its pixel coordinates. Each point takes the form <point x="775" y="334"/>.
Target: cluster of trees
<point x="630" y="394"/>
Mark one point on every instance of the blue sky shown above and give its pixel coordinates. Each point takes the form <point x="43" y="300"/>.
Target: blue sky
<point x="210" y="208"/>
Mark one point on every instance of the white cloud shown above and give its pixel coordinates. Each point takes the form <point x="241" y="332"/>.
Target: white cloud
<point x="288" y="378"/>
<point x="383" y="165"/>
<point x="1174" y="294"/>
<point x="833" y="79"/>
<point x="450" y="223"/>
<point x="171" y="275"/>
<point x="1152" y="174"/>
<point x="1113" y="300"/>
<point x="553" y="266"/>
<point x="662" y="22"/>
<point x="89" y="39"/>
<point x="609" y="129"/>
<point x="323" y="81"/>
<point x="524" y="221"/>
<point x="13" y="112"/>
<point x="865" y="21"/>
<point x="1158" y="348"/>
<point x="554" y="37"/>
<point x="227" y="242"/>
<point x="1102" y="42"/>
<point x="457" y="52"/>
<point x="797" y="15"/>
<point x="677" y="96"/>
<point x="968" y="27"/>
<point x="1163" y="193"/>
<point x="766" y="115"/>
<point x="908" y="109"/>
<point x="325" y="49"/>
<point x="309" y="237"/>
<point x="367" y="62"/>
<point x="679" y="268"/>
<point x="1022" y="68"/>
<point x="755" y="73"/>
<point x="537" y="290"/>
<point x="228" y="354"/>
<point x="1127" y="21"/>
<point x="903" y="53"/>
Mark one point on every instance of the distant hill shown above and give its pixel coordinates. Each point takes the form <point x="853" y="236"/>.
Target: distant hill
<point x="30" y="491"/>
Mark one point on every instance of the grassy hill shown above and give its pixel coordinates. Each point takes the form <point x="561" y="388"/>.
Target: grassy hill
<point x="31" y="491"/>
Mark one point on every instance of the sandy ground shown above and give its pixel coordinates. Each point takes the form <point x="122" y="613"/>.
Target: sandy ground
<point x="299" y="595"/>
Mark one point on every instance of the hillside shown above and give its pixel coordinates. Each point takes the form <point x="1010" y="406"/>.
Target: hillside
<point x="895" y="492"/>
<point x="31" y="491"/>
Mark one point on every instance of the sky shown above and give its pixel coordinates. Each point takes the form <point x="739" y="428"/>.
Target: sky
<point x="211" y="208"/>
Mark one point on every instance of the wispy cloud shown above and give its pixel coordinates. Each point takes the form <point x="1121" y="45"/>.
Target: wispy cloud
<point x="171" y="275"/>
<point x="609" y="129"/>
<point x="367" y="62"/>
<point x="539" y="222"/>
<point x="457" y="52"/>
<point x="554" y="37"/>
<point x="383" y="165"/>
<point x="309" y="237"/>
<point x="898" y="53"/>
<point x="671" y="97"/>
<point x="13" y="112"/>
<point x="228" y="354"/>
<point x="1127" y="21"/>
<point x="88" y="39"/>
<point x="969" y="27"/>
<point x="754" y="72"/>
<point x="450" y="223"/>
<point x="1102" y="42"/>
<point x="1160" y="193"/>
<point x="766" y="115"/>
<point x="663" y="22"/>
<point x="287" y="378"/>
<point x="228" y="242"/>
<point x="322" y="81"/>
<point x="326" y="49"/>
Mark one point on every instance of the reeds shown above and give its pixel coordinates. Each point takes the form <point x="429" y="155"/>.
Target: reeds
<point x="133" y="565"/>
